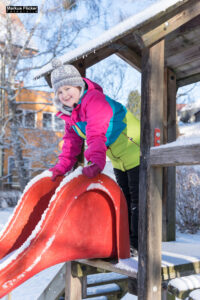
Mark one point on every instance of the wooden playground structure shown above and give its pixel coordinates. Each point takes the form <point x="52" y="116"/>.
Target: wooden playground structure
<point x="165" y="48"/>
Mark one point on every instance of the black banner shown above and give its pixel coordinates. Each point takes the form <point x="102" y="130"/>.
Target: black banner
<point x="21" y="9"/>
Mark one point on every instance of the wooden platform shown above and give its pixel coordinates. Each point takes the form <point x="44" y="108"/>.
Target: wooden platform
<point x="178" y="259"/>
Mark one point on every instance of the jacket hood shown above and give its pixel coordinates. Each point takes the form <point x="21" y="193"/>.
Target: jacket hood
<point x="93" y="85"/>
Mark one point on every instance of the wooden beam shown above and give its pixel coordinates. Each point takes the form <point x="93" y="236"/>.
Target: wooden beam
<point x="172" y="24"/>
<point x="56" y="287"/>
<point x="179" y="155"/>
<point x="129" y="56"/>
<point x="110" y="266"/>
<point x="150" y="191"/>
<point x="188" y="80"/>
<point x="187" y="70"/>
<point x="169" y="173"/>
<point x="73" y="288"/>
<point x="96" y="56"/>
<point x="186" y="56"/>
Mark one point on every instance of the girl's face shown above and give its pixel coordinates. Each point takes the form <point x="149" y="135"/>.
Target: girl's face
<point x="69" y="95"/>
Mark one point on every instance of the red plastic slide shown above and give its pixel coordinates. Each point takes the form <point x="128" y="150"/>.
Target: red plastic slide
<point x="83" y="218"/>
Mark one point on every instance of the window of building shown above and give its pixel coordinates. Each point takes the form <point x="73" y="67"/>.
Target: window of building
<point x="26" y="119"/>
<point x="19" y="116"/>
<point x="52" y="122"/>
<point x="47" y="121"/>
<point x="12" y="172"/>
<point x="29" y="119"/>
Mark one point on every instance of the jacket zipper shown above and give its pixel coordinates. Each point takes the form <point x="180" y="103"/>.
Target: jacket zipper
<point x="131" y="139"/>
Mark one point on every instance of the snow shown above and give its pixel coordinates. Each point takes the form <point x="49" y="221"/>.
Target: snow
<point x="190" y="106"/>
<point x="129" y="264"/>
<point x="112" y="34"/>
<point x="187" y="282"/>
<point x="195" y="295"/>
<point x="99" y="186"/>
<point x="189" y="135"/>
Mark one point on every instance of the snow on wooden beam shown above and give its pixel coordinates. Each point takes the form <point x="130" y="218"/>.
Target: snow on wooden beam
<point x="173" y="154"/>
<point x="172" y="24"/>
<point x="181" y="287"/>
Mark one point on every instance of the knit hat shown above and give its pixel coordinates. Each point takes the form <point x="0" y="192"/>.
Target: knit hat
<point x="64" y="75"/>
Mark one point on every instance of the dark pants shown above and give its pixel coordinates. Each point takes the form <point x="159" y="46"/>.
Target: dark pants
<point x="129" y="183"/>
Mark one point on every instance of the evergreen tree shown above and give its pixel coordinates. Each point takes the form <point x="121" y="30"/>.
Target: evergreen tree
<point x="134" y="102"/>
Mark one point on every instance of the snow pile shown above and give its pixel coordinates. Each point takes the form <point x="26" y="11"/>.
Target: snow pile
<point x="186" y="283"/>
<point x="9" y="198"/>
<point x="195" y="295"/>
<point x="128" y="264"/>
<point x="193" y="105"/>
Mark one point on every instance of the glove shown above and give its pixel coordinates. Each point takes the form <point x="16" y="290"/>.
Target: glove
<point x="56" y="171"/>
<point x="91" y="171"/>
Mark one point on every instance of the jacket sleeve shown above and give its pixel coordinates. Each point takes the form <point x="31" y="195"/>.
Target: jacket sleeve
<point x="70" y="150"/>
<point x="98" y="115"/>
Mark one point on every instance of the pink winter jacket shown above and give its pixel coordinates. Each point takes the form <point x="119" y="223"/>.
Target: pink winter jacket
<point x="94" y="113"/>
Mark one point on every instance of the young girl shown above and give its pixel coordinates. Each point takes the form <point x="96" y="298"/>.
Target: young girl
<point x="108" y="128"/>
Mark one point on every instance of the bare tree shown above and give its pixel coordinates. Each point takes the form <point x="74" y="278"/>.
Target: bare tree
<point x="54" y="29"/>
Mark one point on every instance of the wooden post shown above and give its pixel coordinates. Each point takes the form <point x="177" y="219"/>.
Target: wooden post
<point x="169" y="173"/>
<point x="9" y="296"/>
<point x="76" y="282"/>
<point x="150" y="192"/>
<point x="73" y="289"/>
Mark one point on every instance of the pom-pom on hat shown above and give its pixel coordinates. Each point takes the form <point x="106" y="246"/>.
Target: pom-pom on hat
<point x="64" y="75"/>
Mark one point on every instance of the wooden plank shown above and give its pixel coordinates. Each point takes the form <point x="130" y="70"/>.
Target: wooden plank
<point x="188" y="80"/>
<point x="97" y="55"/>
<point x="56" y="287"/>
<point x="73" y="288"/>
<point x="172" y="24"/>
<point x="169" y="173"/>
<point x="180" y="155"/>
<point x="174" y="271"/>
<point x="150" y="202"/>
<point x="129" y="56"/>
<point x="181" y="287"/>
<point x="185" y="56"/>
<point x="182" y="38"/>
<point x="169" y="270"/>
<point x="188" y="70"/>
<point x="111" y="266"/>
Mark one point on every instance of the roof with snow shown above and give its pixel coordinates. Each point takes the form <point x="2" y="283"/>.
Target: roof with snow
<point x="177" y="21"/>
